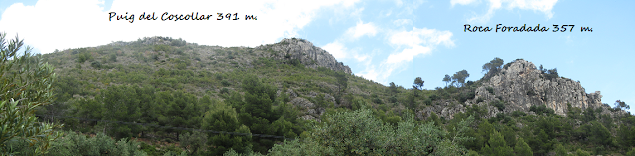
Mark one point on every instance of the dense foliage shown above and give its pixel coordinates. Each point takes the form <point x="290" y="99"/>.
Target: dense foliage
<point x="25" y="85"/>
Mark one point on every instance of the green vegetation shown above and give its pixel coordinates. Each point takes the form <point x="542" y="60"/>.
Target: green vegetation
<point x="25" y="86"/>
<point x="234" y="90"/>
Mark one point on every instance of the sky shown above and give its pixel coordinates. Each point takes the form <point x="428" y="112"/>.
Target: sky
<point x="381" y="40"/>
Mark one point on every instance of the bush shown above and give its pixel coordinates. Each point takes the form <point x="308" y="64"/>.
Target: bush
<point x="95" y="64"/>
<point x="465" y="97"/>
<point x="112" y="58"/>
<point x="393" y="99"/>
<point x="479" y="100"/>
<point x="542" y="109"/>
<point x="490" y="90"/>
<point x="427" y="101"/>
<point x="498" y="104"/>
<point x="378" y="101"/>
<point x="224" y="91"/>
<point x="225" y="83"/>
<point x="433" y="97"/>
<point x="518" y="114"/>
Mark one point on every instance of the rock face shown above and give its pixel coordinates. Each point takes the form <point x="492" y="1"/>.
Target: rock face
<point x="521" y="86"/>
<point x="306" y="53"/>
<point x="312" y="110"/>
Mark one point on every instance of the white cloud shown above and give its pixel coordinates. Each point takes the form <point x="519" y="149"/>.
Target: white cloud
<point x="544" y="6"/>
<point x="423" y="36"/>
<point x="362" y="58"/>
<point x="407" y="54"/>
<point x="402" y="22"/>
<point x="63" y="24"/>
<point x="336" y="49"/>
<point x="409" y="45"/>
<point x="462" y="2"/>
<point x="362" y="29"/>
<point x="398" y="3"/>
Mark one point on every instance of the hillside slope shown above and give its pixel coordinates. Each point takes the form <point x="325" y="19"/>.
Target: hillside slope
<point x="275" y="89"/>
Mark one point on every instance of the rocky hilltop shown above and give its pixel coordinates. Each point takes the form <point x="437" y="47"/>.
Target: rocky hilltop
<point x="521" y="85"/>
<point x="306" y="53"/>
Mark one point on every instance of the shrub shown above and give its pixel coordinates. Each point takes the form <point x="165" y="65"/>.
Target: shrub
<point x="427" y="101"/>
<point x="433" y="97"/>
<point x="112" y="58"/>
<point x="542" y="109"/>
<point x="518" y="114"/>
<point x="95" y="64"/>
<point x="498" y="104"/>
<point x="224" y="91"/>
<point x="225" y="83"/>
<point x="479" y="100"/>
<point x="378" y="101"/>
<point x="490" y="90"/>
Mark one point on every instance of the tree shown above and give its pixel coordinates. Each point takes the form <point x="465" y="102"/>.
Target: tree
<point x="447" y="79"/>
<point x="560" y="150"/>
<point x="522" y="149"/>
<point x="342" y="81"/>
<point x="418" y="83"/>
<point x="393" y="88"/>
<point x="497" y="145"/>
<point x="459" y="77"/>
<point x="224" y="118"/>
<point x="620" y="105"/>
<point x="493" y="66"/>
<point x="25" y="85"/>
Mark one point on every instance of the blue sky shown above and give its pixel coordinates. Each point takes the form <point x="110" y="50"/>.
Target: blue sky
<point x="383" y="40"/>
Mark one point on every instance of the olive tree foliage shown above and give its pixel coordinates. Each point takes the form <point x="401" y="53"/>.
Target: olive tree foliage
<point x="360" y="133"/>
<point x="25" y="85"/>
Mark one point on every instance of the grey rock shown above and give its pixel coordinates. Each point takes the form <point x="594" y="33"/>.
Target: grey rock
<point x="306" y="53"/>
<point x="309" y="117"/>
<point x="291" y="93"/>
<point x="330" y="99"/>
<point x="312" y="94"/>
<point x="302" y="103"/>
<point x="521" y="86"/>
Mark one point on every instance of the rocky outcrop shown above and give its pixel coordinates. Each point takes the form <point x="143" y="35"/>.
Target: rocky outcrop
<point x="306" y="53"/>
<point x="445" y="108"/>
<point x="312" y="112"/>
<point x="521" y="86"/>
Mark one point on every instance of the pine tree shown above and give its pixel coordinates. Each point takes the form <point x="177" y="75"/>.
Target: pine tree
<point x="498" y="145"/>
<point x="560" y="150"/>
<point x="522" y="149"/>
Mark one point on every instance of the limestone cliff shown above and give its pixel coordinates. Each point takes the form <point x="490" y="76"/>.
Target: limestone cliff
<point x="305" y="52"/>
<point x="521" y="86"/>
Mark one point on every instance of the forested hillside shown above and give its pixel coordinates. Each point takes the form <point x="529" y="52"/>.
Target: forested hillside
<point x="164" y="96"/>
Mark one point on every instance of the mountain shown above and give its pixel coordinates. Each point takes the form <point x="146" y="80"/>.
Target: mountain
<point x="276" y="89"/>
